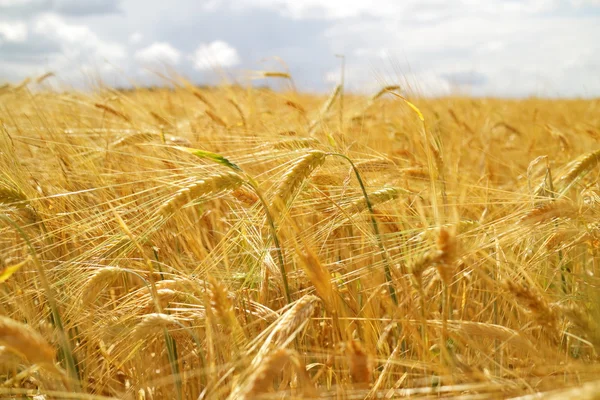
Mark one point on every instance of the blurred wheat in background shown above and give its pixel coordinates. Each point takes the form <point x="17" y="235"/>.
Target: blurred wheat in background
<point x="243" y="243"/>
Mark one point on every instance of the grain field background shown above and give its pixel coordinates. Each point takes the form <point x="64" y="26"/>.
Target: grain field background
<point x="245" y="243"/>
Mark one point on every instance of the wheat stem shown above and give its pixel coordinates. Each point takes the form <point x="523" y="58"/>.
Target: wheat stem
<point x="386" y="259"/>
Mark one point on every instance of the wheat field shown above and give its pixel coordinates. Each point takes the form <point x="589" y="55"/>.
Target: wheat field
<point x="244" y="243"/>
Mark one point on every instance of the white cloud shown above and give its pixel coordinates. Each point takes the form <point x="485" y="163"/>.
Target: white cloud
<point x="505" y="54"/>
<point x="74" y="8"/>
<point x="135" y="38"/>
<point x="215" y="54"/>
<point x="579" y="3"/>
<point x="76" y="40"/>
<point x="13" y="31"/>
<point x="48" y="42"/>
<point x="413" y="10"/>
<point x="87" y="7"/>
<point x="13" y="3"/>
<point x="158" y="53"/>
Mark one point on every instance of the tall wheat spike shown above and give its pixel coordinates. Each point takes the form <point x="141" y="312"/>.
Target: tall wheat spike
<point x="578" y="168"/>
<point x="259" y="384"/>
<point x="288" y="326"/>
<point x="378" y="197"/>
<point x="152" y="323"/>
<point x="100" y="279"/>
<point x="202" y="187"/>
<point x="325" y="108"/>
<point x="23" y="340"/>
<point x="295" y="177"/>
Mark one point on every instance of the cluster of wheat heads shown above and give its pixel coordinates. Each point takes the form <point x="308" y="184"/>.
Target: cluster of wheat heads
<point x="210" y="243"/>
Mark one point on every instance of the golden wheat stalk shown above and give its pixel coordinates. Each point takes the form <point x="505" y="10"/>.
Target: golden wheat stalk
<point x="112" y="111"/>
<point x="223" y="308"/>
<point x="151" y="324"/>
<point x="238" y="108"/>
<point x="100" y="279"/>
<point x="203" y="99"/>
<point x="203" y="187"/>
<point x="535" y="303"/>
<point x="245" y="197"/>
<point x="160" y="119"/>
<point x="215" y="118"/>
<point x="318" y="275"/>
<point x="294" y="144"/>
<point x="295" y="177"/>
<point x="359" y="362"/>
<point x="12" y="196"/>
<point x="134" y="139"/>
<point x="384" y="90"/>
<point x="288" y="326"/>
<point x="275" y="74"/>
<point x="260" y="382"/>
<point x="296" y="106"/>
<point x="164" y="297"/>
<point x="550" y="211"/>
<point x="578" y="168"/>
<point x="43" y="77"/>
<point x="374" y="165"/>
<point x="377" y="197"/>
<point x="22" y="85"/>
<point x="447" y="252"/>
<point x="181" y="284"/>
<point x="23" y="340"/>
<point x="325" y="108"/>
<point x="584" y="321"/>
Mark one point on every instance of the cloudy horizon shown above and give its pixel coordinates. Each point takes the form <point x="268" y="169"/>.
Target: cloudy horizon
<point x="506" y="48"/>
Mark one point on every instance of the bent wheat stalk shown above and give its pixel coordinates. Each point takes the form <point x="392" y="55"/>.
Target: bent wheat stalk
<point x="386" y="259"/>
<point x="249" y="181"/>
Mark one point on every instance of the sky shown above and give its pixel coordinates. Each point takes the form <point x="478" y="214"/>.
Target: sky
<point x="505" y="48"/>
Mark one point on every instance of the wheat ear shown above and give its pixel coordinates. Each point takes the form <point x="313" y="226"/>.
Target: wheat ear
<point x="112" y="111"/>
<point x="203" y="99"/>
<point x="376" y="197"/>
<point x="294" y="177"/>
<point x="361" y="368"/>
<point x="23" y="340"/>
<point x="260" y="383"/>
<point x="151" y="324"/>
<point x="288" y="326"/>
<point x="199" y="188"/>
<point x="134" y="139"/>
<point x="578" y="169"/>
<point x="534" y="302"/>
<point x="325" y="108"/>
<point x="11" y="196"/>
<point x="215" y="118"/>
<point x="99" y="280"/>
<point x="223" y="308"/>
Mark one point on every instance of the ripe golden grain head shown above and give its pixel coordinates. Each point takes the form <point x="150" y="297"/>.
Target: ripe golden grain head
<point x="530" y="298"/>
<point x="151" y="324"/>
<point x="99" y="279"/>
<point x="289" y="325"/>
<point x="295" y="177"/>
<point x="23" y="340"/>
<point x="578" y="168"/>
<point x="261" y="380"/>
<point x="361" y="368"/>
<point x="202" y="187"/>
